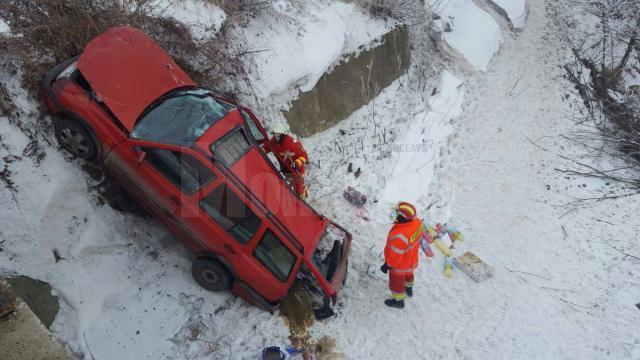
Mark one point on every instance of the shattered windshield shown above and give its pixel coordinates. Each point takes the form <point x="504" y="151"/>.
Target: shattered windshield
<point x="180" y="118"/>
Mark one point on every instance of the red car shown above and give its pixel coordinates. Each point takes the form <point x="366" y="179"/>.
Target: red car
<point x="196" y="161"/>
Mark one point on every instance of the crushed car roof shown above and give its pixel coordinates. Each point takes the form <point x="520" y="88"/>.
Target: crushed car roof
<point x="128" y="71"/>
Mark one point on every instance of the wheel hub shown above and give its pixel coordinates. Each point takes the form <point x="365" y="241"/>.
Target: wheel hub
<point x="74" y="141"/>
<point x="211" y="276"/>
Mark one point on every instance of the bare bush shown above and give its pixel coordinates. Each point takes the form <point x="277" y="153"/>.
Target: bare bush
<point x="239" y="8"/>
<point x="603" y="54"/>
<point x="46" y="32"/>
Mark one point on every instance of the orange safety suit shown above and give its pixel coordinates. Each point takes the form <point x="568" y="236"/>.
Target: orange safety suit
<point x="293" y="159"/>
<point x="402" y="253"/>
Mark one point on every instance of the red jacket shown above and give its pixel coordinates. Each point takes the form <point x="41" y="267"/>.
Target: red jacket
<point x="290" y="153"/>
<point x="402" y="250"/>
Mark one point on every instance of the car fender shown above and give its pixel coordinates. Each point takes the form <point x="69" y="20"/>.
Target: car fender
<point x="66" y="113"/>
<point x="218" y="258"/>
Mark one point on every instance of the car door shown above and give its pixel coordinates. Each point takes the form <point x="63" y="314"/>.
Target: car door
<point x="261" y="259"/>
<point x="168" y="180"/>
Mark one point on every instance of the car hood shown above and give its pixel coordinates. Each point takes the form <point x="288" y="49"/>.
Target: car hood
<point x="128" y="71"/>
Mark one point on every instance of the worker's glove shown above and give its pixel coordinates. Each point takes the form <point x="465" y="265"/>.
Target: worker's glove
<point x="384" y="268"/>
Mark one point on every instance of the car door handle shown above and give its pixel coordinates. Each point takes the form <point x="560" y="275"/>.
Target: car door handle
<point x="174" y="199"/>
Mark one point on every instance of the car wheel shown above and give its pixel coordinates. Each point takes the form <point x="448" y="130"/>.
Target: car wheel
<point x="74" y="138"/>
<point x="211" y="275"/>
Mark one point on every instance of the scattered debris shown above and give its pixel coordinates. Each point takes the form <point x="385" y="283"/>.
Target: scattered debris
<point x="7" y="306"/>
<point x="56" y="255"/>
<point x="354" y="196"/>
<point x="471" y="265"/>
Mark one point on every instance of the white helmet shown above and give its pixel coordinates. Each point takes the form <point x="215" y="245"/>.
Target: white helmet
<point x="279" y="128"/>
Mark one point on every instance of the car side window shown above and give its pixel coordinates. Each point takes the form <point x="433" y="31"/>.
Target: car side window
<point x="231" y="147"/>
<point x="231" y="213"/>
<point x="182" y="170"/>
<point x="275" y="256"/>
<point x="253" y="128"/>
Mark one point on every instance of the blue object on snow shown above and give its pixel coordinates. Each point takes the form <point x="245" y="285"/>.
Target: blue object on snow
<point x="272" y="353"/>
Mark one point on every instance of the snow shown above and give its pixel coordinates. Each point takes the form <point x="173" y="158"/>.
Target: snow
<point x="559" y="290"/>
<point x="474" y="33"/>
<point x="516" y="11"/>
<point x="4" y="28"/>
<point x="202" y="17"/>
<point x="427" y="133"/>
<point x="296" y="46"/>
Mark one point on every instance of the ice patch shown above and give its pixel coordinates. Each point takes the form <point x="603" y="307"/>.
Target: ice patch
<point x="515" y="9"/>
<point x="473" y="33"/>
<point x="300" y="45"/>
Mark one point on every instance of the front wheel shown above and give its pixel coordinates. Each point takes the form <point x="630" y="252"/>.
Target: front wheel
<point x="74" y="138"/>
<point x="211" y="275"/>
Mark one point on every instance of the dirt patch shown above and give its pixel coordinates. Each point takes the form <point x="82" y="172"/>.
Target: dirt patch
<point x="37" y="294"/>
<point x="297" y="311"/>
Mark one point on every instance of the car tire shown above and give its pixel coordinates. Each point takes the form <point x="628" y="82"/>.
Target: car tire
<point x="211" y="275"/>
<point x="74" y="138"/>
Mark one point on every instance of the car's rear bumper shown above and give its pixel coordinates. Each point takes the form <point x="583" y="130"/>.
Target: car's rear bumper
<point x="50" y="98"/>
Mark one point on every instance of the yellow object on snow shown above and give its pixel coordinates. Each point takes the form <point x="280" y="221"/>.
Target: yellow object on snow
<point x="444" y="249"/>
<point x="448" y="267"/>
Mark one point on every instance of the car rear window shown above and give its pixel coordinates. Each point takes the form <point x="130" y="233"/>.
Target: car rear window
<point x="231" y="213"/>
<point x="181" y="118"/>
<point x="231" y="147"/>
<point x="275" y="256"/>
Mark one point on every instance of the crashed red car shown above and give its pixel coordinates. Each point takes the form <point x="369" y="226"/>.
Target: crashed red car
<point x="196" y="161"/>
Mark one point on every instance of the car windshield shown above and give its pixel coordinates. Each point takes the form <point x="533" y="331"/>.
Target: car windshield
<point x="181" y="118"/>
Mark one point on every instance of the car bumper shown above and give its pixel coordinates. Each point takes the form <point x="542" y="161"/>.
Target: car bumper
<point x="47" y="85"/>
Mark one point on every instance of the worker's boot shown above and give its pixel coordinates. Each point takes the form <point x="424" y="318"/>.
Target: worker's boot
<point x="394" y="303"/>
<point x="409" y="291"/>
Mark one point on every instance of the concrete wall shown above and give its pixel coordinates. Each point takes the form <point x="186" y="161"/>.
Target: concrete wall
<point x="351" y="84"/>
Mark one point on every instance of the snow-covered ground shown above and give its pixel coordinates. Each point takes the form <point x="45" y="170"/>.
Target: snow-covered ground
<point x="516" y="10"/>
<point x="561" y="290"/>
<point x="201" y="16"/>
<point x="4" y="28"/>
<point x="295" y="45"/>
<point x="469" y="30"/>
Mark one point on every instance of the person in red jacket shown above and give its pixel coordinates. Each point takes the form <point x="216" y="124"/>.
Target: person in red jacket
<point x="401" y="253"/>
<point x="291" y="155"/>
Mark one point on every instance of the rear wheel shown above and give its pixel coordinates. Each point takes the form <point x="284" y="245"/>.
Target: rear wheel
<point x="211" y="275"/>
<point x="74" y="138"/>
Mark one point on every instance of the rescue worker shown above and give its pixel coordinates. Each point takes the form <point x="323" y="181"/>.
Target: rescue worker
<point x="291" y="155"/>
<point x="401" y="253"/>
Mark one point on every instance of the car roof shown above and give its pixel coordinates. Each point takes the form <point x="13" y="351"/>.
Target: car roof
<point x="260" y="180"/>
<point x="128" y="71"/>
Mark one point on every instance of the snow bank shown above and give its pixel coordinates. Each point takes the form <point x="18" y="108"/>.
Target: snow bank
<point x="202" y="17"/>
<point x="515" y="9"/>
<point x="416" y="152"/>
<point x="474" y="33"/>
<point x="294" y="47"/>
<point x="4" y="28"/>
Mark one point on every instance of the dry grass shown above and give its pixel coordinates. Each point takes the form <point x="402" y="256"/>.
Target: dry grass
<point x="49" y="31"/>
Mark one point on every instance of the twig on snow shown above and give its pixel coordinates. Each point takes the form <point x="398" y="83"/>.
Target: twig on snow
<point x="557" y="289"/>
<point x="87" y="344"/>
<point x="620" y="251"/>
<point x="574" y="304"/>
<point x="528" y="273"/>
